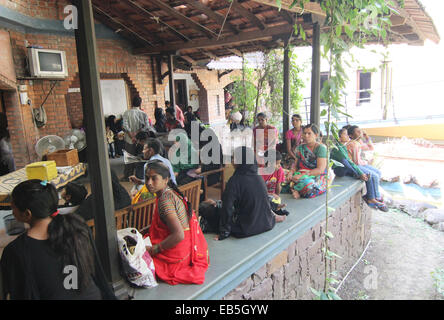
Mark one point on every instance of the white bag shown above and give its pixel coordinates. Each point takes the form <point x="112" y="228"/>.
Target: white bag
<point x="138" y="266"/>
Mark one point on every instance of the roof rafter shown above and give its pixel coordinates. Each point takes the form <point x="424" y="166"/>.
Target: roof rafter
<point x="241" y="37"/>
<point x="147" y="14"/>
<point x="184" y="19"/>
<point x="248" y="14"/>
<point x="212" y="14"/>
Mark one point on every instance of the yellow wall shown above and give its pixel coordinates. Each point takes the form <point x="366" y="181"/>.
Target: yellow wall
<point x="427" y="131"/>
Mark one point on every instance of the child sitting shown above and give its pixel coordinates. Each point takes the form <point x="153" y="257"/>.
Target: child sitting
<point x="274" y="180"/>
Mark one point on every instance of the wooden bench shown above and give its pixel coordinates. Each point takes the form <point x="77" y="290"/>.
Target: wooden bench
<point x="220" y="185"/>
<point x="139" y="215"/>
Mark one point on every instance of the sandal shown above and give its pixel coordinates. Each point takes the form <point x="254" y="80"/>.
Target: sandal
<point x="377" y="205"/>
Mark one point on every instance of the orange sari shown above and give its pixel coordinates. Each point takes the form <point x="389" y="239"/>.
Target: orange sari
<point x="185" y="263"/>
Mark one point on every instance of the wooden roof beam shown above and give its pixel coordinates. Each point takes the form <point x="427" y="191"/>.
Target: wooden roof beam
<point x="189" y="60"/>
<point x="235" y="51"/>
<point x="287" y="16"/>
<point x="150" y="16"/>
<point x="124" y="21"/>
<point x="218" y="18"/>
<point x="309" y="7"/>
<point x="103" y="13"/>
<point x="184" y="19"/>
<point x="248" y="14"/>
<point x="227" y="41"/>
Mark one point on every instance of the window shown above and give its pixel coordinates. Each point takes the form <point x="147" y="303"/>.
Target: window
<point x="364" y="87"/>
<point x="324" y="77"/>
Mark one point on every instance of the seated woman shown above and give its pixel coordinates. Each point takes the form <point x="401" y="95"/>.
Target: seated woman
<point x="34" y="266"/>
<point x="246" y="208"/>
<point x="294" y="136"/>
<point x="340" y="154"/>
<point x="360" y="141"/>
<point x="179" y="251"/>
<point x="265" y="136"/>
<point x="311" y="165"/>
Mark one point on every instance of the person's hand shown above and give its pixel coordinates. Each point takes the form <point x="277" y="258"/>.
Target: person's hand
<point x="216" y="238"/>
<point x="363" y="177"/>
<point x="198" y="170"/>
<point x="275" y="196"/>
<point x="134" y="179"/>
<point x="279" y="218"/>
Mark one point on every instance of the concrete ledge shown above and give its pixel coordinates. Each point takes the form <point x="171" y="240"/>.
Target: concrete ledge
<point x="234" y="260"/>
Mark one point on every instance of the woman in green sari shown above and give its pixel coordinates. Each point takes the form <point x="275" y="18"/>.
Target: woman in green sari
<point x="311" y="167"/>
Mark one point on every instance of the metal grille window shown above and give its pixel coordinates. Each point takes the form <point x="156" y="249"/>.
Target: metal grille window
<point x="364" y="87"/>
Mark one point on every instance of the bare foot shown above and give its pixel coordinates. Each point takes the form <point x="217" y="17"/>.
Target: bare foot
<point x="279" y="218"/>
<point x="296" y="194"/>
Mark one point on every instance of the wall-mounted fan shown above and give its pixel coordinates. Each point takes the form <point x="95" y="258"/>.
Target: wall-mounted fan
<point x="76" y="139"/>
<point x="49" y="144"/>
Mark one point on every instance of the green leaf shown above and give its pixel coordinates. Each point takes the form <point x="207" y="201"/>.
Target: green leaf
<point x="324" y="296"/>
<point x="329" y="235"/>
<point x="323" y="113"/>
<point x="315" y="292"/>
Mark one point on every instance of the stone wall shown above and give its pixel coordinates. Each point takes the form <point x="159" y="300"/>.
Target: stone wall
<point x="291" y="273"/>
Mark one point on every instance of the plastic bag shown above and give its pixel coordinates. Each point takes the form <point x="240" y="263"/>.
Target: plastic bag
<point x="137" y="263"/>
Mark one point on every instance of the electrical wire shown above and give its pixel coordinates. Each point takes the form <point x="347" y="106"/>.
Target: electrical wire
<point x="365" y="250"/>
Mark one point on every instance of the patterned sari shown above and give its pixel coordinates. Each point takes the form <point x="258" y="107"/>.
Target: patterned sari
<point x="188" y="261"/>
<point x="310" y="187"/>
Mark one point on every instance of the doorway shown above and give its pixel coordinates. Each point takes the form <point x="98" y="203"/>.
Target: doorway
<point x="7" y="164"/>
<point x="181" y="93"/>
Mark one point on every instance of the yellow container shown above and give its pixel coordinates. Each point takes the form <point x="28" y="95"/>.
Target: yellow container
<point x="43" y="170"/>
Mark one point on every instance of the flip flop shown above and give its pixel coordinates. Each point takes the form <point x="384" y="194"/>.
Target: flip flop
<point x="379" y="206"/>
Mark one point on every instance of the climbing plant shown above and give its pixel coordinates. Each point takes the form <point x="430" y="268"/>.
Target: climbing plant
<point x="265" y="85"/>
<point x="348" y="23"/>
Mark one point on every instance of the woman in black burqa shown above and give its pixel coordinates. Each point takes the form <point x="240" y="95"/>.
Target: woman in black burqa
<point x="245" y="207"/>
<point x="38" y="264"/>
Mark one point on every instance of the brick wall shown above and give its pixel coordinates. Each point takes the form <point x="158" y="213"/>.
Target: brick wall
<point x="291" y="273"/>
<point x="63" y="109"/>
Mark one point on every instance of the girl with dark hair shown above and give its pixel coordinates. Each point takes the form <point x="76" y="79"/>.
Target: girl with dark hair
<point x="179" y="251"/>
<point x="311" y="165"/>
<point x="340" y="154"/>
<point x="293" y="136"/>
<point x="40" y="264"/>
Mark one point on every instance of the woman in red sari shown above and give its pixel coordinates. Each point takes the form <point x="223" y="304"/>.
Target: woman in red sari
<point x="179" y="250"/>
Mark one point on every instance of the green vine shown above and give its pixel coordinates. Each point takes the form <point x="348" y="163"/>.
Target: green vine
<point x="348" y="23"/>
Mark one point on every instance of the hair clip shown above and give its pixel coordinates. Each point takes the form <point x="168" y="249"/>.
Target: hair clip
<point x="44" y="183"/>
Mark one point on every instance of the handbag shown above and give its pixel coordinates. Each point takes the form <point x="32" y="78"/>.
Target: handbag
<point x="137" y="264"/>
